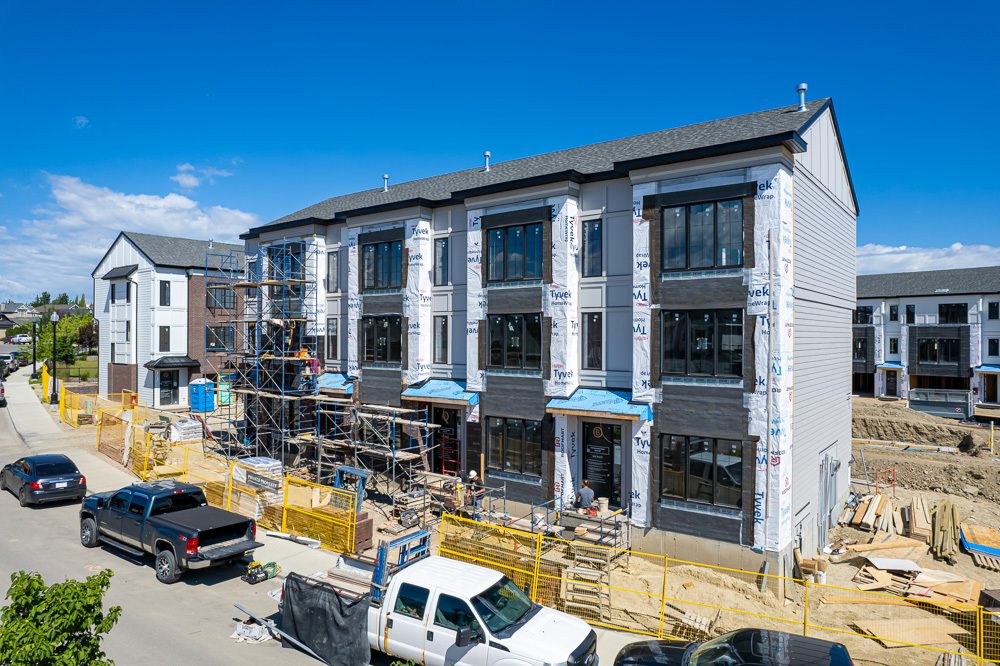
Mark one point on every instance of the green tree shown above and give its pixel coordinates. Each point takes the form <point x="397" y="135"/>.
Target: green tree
<point x="68" y="332"/>
<point x="82" y="301"/>
<point x="58" y="624"/>
<point x="44" y="299"/>
<point x="62" y="299"/>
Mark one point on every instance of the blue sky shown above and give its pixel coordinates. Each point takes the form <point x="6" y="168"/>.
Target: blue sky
<point x="202" y="119"/>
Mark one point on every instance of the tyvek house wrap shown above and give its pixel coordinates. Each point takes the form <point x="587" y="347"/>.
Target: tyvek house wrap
<point x="904" y="360"/>
<point x="315" y="293"/>
<point x="976" y="357"/>
<point x="642" y="388"/>
<point x="560" y="300"/>
<point x="567" y="452"/>
<point x="475" y="300"/>
<point x="879" y="355"/>
<point x="771" y="413"/>
<point x="417" y="301"/>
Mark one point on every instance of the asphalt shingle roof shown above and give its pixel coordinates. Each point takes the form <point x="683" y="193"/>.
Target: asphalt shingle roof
<point x="179" y="252"/>
<point x="587" y="160"/>
<point x="930" y="283"/>
<point x="120" y="272"/>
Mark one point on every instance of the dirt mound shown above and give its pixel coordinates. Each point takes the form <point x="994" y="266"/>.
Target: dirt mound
<point x="956" y="474"/>
<point x="894" y="422"/>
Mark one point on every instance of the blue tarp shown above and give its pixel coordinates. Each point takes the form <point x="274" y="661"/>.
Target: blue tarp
<point x="336" y="381"/>
<point x="442" y="388"/>
<point x="602" y="400"/>
<point x="988" y="368"/>
<point x="890" y="365"/>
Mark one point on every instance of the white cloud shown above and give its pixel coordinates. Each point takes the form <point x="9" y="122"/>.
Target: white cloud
<point x="81" y="122"/>
<point x="212" y="173"/>
<point x="57" y="250"/>
<point x="185" y="178"/>
<point x="874" y="258"/>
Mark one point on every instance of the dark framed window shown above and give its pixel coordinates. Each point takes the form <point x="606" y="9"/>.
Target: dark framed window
<point x="993" y="310"/>
<point x="332" y="344"/>
<point x="953" y="313"/>
<point x="863" y="315"/>
<point x="252" y="276"/>
<point x="218" y="337"/>
<point x="593" y="231"/>
<point x="938" y="351"/>
<point x="911" y="314"/>
<point x="593" y="341"/>
<point x="113" y="357"/>
<point x="514" y="445"/>
<point x="514" y="253"/>
<point x="440" y="339"/>
<point x="860" y="349"/>
<point x="705" y="235"/>
<point x="382" y="339"/>
<point x="893" y="313"/>
<point x="333" y="271"/>
<point x="128" y="292"/>
<point x="164" y="338"/>
<point x="221" y="297"/>
<point x="702" y="342"/>
<point x="138" y="504"/>
<point x="128" y="331"/>
<point x="440" y="261"/>
<point x="165" y="293"/>
<point x="893" y="345"/>
<point x="382" y="265"/>
<point x="702" y="470"/>
<point x="515" y="341"/>
<point x="114" y="293"/>
<point x="993" y="347"/>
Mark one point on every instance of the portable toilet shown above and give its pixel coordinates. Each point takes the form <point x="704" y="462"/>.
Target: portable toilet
<point x="202" y="395"/>
<point x="226" y="389"/>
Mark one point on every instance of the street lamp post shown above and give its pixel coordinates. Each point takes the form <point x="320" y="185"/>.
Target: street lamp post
<point x="54" y="398"/>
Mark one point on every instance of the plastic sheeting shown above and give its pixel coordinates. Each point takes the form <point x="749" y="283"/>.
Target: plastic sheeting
<point x="904" y="355"/>
<point x="639" y="505"/>
<point x="879" y="343"/>
<point x="336" y="381"/>
<point x="332" y="626"/>
<point x="353" y="302"/>
<point x="771" y="413"/>
<point x="561" y="296"/>
<point x="315" y="290"/>
<point x="564" y="485"/>
<point x="642" y="320"/>
<point x="975" y="345"/>
<point x="417" y="301"/>
<point x="446" y="389"/>
<point x="475" y="301"/>
<point x="601" y="400"/>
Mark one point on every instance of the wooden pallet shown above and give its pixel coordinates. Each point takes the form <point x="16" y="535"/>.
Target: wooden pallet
<point x="986" y="561"/>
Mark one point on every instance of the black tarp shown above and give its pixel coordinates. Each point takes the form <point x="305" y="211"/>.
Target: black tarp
<point x="333" y="626"/>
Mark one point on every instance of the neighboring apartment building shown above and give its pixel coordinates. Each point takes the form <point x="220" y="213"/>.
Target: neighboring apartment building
<point x="928" y="330"/>
<point x="604" y="312"/>
<point x="154" y="319"/>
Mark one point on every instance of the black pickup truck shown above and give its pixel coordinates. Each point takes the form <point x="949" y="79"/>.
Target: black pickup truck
<point x="170" y="520"/>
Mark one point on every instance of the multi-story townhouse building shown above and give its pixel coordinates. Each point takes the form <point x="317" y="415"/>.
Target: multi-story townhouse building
<point x="156" y="322"/>
<point x="666" y="315"/>
<point x="928" y="330"/>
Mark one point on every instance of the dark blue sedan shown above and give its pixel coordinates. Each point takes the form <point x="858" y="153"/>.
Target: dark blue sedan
<point x="47" y="478"/>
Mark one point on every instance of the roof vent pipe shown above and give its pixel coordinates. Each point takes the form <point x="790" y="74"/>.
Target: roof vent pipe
<point x="211" y="243"/>
<point x="801" y="90"/>
<point x="385" y="182"/>
<point x="487" y="156"/>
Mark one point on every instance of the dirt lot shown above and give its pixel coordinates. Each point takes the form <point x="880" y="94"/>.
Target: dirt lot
<point x="892" y="421"/>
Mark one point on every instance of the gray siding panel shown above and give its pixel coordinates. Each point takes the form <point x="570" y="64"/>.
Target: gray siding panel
<point x="381" y="386"/>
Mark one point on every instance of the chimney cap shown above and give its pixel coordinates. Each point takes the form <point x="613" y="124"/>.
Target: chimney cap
<point x="802" y="87"/>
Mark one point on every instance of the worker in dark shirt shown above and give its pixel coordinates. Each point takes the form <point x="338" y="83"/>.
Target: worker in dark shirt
<point x="474" y="493"/>
<point x="585" y="498"/>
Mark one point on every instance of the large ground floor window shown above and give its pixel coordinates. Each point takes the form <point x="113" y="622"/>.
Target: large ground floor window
<point x="514" y="445"/>
<point x="701" y="469"/>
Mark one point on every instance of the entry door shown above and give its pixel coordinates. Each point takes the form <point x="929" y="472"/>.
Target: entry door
<point x="602" y="460"/>
<point x="169" y="380"/>
<point x="990" y="388"/>
<point x="446" y="448"/>
<point x="891" y="387"/>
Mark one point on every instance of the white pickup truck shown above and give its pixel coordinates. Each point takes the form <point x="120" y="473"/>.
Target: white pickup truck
<point x="438" y="612"/>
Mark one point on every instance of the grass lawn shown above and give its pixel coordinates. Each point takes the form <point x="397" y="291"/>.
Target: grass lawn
<point x="88" y="368"/>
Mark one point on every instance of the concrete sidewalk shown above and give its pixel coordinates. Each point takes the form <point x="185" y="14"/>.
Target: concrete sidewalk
<point x="39" y="433"/>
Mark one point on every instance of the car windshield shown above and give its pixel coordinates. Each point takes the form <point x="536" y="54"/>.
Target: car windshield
<point x="718" y="652"/>
<point x="178" y="502"/>
<point x="502" y="605"/>
<point x="55" y="468"/>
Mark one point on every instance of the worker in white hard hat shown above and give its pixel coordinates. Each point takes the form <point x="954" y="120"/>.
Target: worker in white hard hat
<point x="475" y="493"/>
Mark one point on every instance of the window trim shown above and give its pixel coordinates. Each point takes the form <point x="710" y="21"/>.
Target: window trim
<point x="947" y="309"/>
<point x="389" y="348"/>
<point x="333" y="271"/>
<point x="376" y="265"/>
<point x="717" y="346"/>
<point x="940" y="351"/>
<point x="165" y="292"/>
<point x="992" y="310"/>
<point x="501" y="465"/>
<point x="434" y="341"/>
<point x="891" y="341"/>
<point x="715" y="235"/>
<point x="663" y="436"/>
<point x="911" y="314"/>
<point x="128" y="330"/>
<point x="524" y="338"/>
<point x="893" y="313"/>
<point x="585" y="339"/>
<point x="993" y="346"/>
<point x="856" y="345"/>
<point x="160" y="340"/>
<point x="584" y="246"/>
<point x="441" y="275"/>
<point x="212" y="302"/>
<point x="524" y="255"/>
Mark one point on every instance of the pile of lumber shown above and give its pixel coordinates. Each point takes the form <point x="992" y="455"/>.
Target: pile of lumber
<point x="874" y="512"/>
<point x="983" y="543"/>
<point x="944" y="531"/>
<point x="908" y="580"/>
<point x="918" y="518"/>
<point x="893" y="546"/>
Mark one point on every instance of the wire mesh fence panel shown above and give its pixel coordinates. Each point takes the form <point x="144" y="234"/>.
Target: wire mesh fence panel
<point x="511" y="552"/>
<point x="111" y="435"/>
<point x="875" y="625"/>
<point x="256" y="494"/>
<point x="989" y="642"/>
<point x="211" y="473"/>
<point x="320" y="512"/>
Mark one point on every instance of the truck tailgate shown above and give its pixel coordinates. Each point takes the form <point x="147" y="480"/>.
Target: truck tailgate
<point x="228" y="549"/>
<point x="212" y="524"/>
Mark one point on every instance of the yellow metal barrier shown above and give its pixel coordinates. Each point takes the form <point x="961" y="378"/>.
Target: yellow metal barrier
<point x="111" y="434"/>
<point x="81" y="409"/>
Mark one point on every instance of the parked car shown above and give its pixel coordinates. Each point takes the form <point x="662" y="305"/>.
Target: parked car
<point x="743" y="646"/>
<point x="21" y="339"/>
<point x="3" y="395"/>
<point x="43" y="478"/>
<point x="170" y="520"/>
<point x="8" y="359"/>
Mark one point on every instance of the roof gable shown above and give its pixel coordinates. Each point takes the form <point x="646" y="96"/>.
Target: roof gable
<point x="825" y="159"/>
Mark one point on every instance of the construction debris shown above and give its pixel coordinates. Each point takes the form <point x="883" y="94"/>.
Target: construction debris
<point x="944" y="531"/>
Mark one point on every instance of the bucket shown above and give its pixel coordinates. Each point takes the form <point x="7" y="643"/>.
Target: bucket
<point x="602" y="503"/>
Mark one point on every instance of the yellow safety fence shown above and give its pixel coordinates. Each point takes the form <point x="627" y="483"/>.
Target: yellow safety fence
<point x="669" y="598"/>
<point x="284" y="503"/>
<point x="80" y="409"/>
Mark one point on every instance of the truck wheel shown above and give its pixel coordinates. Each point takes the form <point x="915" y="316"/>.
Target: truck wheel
<point x="88" y="533"/>
<point x="166" y="567"/>
<point x="3" y="482"/>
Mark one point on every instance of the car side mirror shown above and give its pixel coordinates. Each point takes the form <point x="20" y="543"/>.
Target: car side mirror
<point x="463" y="637"/>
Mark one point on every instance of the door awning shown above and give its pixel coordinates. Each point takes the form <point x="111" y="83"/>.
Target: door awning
<point x="445" y="391"/>
<point x="890" y="365"/>
<point x="336" y="381"/>
<point x="601" y="402"/>
<point x="171" y="362"/>
<point x="988" y="369"/>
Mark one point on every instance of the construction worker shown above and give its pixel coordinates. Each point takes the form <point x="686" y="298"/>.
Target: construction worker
<point x="474" y="493"/>
<point x="585" y="498"/>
